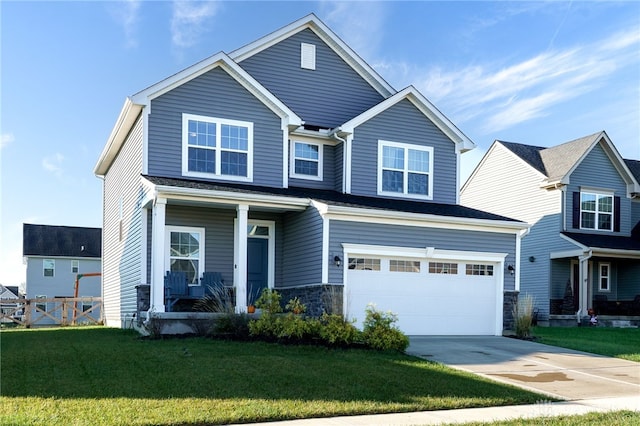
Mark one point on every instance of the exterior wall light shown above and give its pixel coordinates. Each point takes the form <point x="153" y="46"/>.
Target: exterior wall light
<point x="337" y="261"/>
<point x="511" y="269"/>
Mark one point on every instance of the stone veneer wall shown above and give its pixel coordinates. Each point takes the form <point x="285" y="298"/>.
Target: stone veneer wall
<point x="510" y="300"/>
<point x="317" y="298"/>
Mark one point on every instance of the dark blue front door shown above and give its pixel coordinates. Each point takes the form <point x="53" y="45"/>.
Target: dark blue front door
<point x="257" y="267"/>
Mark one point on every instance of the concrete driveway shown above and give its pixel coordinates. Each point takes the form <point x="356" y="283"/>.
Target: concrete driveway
<point x="558" y="372"/>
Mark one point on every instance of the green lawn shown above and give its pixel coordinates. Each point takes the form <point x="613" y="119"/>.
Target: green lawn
<point x="617" y="418"/>
<point x="617" y="342"/>
<point x="101" y="376"/>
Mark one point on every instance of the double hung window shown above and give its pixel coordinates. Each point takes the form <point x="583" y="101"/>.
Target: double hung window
<point x="186" y="252"/>
<point x="405" y="170"/>
<point x="48" y="267"/>
<point x="217" y="147"/>
<point x="306" y="160"/>
<point x="596" y="211"/>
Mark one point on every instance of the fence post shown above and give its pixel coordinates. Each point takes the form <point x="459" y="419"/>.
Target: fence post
<point x="27" y="313"/>
<point x="64" y="312"/>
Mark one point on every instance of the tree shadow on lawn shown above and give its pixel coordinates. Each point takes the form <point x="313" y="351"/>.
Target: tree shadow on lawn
<point x="111" y="363"/>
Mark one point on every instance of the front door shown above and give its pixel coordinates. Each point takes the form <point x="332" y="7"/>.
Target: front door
<point x="257" y="267"/>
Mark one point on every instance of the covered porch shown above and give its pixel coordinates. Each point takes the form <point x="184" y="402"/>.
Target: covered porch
<point x="600" y="277"/>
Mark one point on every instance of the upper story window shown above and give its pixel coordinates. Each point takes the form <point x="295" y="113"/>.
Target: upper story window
<point x="596" y="211"/>
<point x="48" y="267"/>
<point x="405" y="169"/>
<point x="75" y="266"/>
<point x="306" y="160"/>
<point x="216" y="147"/>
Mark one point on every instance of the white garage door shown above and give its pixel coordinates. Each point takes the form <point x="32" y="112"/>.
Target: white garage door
<point x="443" y="297"/>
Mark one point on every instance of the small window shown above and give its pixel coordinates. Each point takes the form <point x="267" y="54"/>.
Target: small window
<point x="405" y="170"/>
<point x="443" y="268"/>
<point x="49" y="267"/>
<point x="75" y="266"/>
<point x="41" y="303"/>
<point x="364" y="264"/>
<point x="484" y="270"/>
<point x="404" y="265"/>
<point x="307" y="56"/>
<point x="605" y="271"/>
<point x="596" y="211"/>
<point x="306" y="160"/>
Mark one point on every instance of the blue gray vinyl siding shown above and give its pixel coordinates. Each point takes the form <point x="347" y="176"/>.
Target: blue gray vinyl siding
<point x="597" y="171"/>
<point x="560" y="273"/>
<point x="328" y="172"/>
<point x="628" y="278"/>
<point x="328" y="96"/>
<point x="418" y="237"/>
<point x="339" y="167"/>
<point x="213" y="94"/>
<point x="402" y="123"/>
<point x="302" y="251"/>
<point x="122" y="251"/>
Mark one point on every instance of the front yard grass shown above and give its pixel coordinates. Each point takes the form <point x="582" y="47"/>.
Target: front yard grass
<point x="616" y="342"/>
<point x="102" y="376"/>
<point x="615" y="418"/>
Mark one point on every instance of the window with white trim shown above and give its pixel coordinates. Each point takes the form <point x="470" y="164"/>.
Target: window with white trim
<point x="306" y="160"/>
<point x="404" y="265"/>
<point x="41" y="302"/>
<point x="479" y="269"/>
<point x="364" y="264"/>
<point x="185" y="252"/>
<point x="48" y="267"/>
<point x="605" y="276"/>
<point x="443" y="268"/>
<point x="405" y="169"/>
<point x="596" y="211"/>
<point x="216" y="147"/>
<point x="75" y="266"/>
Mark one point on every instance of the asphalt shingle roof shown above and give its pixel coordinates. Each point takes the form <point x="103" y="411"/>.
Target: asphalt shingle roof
<point x="634" y="167"/>
<point x="605" y="241"/>
<point x="68" y="241"/>
<point x="335" y="198"/>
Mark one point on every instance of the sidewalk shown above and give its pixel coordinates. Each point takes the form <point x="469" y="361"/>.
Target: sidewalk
<point x="477" y="414"/>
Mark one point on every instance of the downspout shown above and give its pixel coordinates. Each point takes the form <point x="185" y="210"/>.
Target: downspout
<point x="334" y="135"/>
<point x="583" y="284"/>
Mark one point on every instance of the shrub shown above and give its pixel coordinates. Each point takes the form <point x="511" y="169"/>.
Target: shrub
<point x="379" y="331"/>
<point x="296" y="328"/>
<point x="336" y="331"/>
<point x="523" y="316"/>
<point x="234" y="326"/>
<point x="269" y="301"/>
<point x="296" y="306"/>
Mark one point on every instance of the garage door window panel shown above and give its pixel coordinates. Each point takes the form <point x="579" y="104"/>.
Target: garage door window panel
<point x="364" y="264"/>
<point x="404" y="265"/>
<point x="479" y="270"/>
<point x="443" y="268"/>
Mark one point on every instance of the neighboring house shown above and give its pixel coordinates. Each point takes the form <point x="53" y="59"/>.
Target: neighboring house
<point x="8" y="301"/>
<point x="54" y="256"/>
<point x="291" y="164"/>
<point x="582" y="201"/>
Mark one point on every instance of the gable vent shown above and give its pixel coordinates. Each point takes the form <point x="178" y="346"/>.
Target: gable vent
<point x="308" y="56"/>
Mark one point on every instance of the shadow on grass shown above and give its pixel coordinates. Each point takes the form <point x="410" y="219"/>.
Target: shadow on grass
<point x="111" y="363"/>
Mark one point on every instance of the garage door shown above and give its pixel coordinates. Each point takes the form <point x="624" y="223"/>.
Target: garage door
<point x="441" y="297"/>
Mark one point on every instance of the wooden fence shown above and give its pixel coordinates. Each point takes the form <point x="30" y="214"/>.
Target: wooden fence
<point x="56" y="311"/>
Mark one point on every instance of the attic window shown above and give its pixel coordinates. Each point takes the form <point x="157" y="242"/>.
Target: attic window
<point x="308" y="56"/>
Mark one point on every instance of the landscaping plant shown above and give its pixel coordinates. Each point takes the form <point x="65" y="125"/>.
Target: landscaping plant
<point x="523" y="316"/>
<point x="379" y="331"/>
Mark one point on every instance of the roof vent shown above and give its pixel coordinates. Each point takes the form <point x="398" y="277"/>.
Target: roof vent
<point x="308" y="56"/>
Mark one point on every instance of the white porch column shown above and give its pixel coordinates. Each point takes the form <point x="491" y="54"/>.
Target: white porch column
<point x="584" y="284"/>
<point x="157" y="255"/>
<point x="240" y="268"/>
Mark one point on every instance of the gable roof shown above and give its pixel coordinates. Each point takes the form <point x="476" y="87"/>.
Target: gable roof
<point x="313" y="23"/>
<point x="557" y="163"/>
<point x="410" y="93"/>
<point x="634" y="168"/>
<point x="61" y="241"/>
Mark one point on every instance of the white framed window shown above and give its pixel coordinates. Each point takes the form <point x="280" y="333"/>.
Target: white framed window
<point x="48" y="267"/>
<point x="479" y="269"/>
<point x="306" y="160"/>
<point x="75" y="266"/>
<point x="443" y="268"/>
<point x="605" y="277"/>
<point x="40" y="302"/>
<point x="364" y="264"/>
<point x="404" y="265"/>
<point x="405" y="169"/>
<point x="596" y="211"/>
<point x="217" y="147"/>
<point x="185" y="252"/>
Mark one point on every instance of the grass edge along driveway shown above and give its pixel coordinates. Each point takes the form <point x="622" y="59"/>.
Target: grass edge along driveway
<point x="102" y="376"/>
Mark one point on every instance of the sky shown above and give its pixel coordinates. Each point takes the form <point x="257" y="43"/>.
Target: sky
<point x="539" y="73"/>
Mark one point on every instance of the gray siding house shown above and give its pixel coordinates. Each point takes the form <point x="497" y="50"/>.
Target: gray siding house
<point x="582" y="201"/>
<point x="291" y="164"/>
<point x="54" y="256"/>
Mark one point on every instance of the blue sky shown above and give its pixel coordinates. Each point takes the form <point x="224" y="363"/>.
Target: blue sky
<point x="540" y="73"/>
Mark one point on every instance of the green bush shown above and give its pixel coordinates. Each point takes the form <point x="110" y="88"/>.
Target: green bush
<point x="269" y="301"/>
<point x="267" y="327"/>
<point x="380" y="333"/>
<point x="296" y="306"/>
<point x="234" y="326"/>
<point x="336" y="331"/>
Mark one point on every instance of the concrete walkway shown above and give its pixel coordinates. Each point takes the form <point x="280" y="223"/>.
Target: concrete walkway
<point x="586" y="382"/>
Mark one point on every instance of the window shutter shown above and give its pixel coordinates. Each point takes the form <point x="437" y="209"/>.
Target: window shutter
<point x="616" y="214"/>
<point x="576" y="210"/>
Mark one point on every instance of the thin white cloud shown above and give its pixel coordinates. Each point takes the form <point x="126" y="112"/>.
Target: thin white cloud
<point x="6" y="139"/>
<point x="53" y="164"/>
<point x="189" y="19"/>
<point x="126" y="14"/>
<point x="503" y="96"/>
<point x="358" y="23"/>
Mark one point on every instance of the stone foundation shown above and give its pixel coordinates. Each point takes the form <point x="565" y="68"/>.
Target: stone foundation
<point x="510" y="299"/>
<point x="317" y="298"/>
